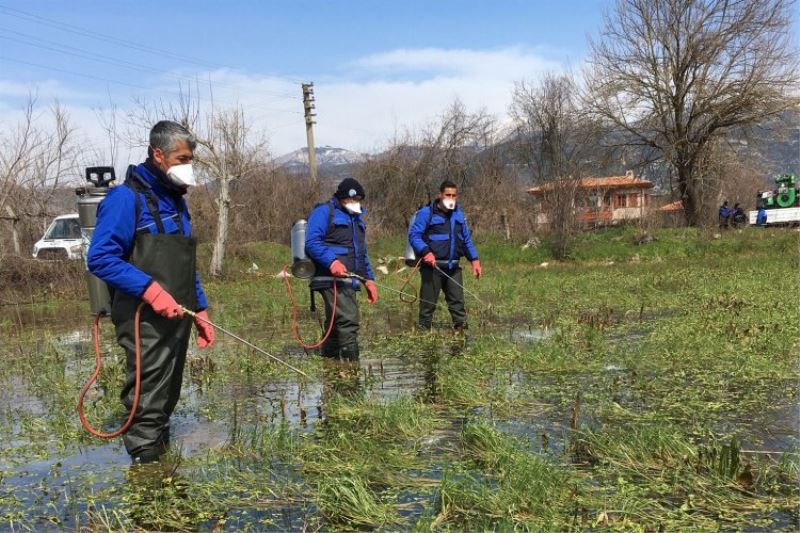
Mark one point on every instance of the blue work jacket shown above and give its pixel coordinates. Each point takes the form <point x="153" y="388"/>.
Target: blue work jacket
<point x="116" y="228"/>
<point x="335" y="233"/>
<point x="443" y="232"/>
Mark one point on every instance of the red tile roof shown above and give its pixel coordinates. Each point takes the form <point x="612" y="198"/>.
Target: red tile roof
<point x="608" y="182"/>
<point x="674" y="207"/>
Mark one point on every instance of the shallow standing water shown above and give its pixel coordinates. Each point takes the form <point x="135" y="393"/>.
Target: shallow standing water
<point x="45" y="479"/>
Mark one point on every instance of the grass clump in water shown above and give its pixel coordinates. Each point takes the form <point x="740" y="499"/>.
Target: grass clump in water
<point x="655" y="476"/>
<point x="512" y="488"/>
<point x="363" y="454"/>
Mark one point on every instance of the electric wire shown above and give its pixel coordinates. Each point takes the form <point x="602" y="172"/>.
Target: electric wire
<point x="136" y="86"/>
<point x="91" y="34"/>
<point x="61" y="48"/>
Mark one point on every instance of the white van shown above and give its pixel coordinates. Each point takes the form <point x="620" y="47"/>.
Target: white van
<point x="62" y="240"/>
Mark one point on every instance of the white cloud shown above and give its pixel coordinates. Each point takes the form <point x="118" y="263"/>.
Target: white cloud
<point x="507" y="63"/>
<point x="41" y="90"/>
<point x="361" y="108"/>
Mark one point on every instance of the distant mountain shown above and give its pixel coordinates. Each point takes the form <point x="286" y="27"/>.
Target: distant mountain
<point x="327" y="156"/>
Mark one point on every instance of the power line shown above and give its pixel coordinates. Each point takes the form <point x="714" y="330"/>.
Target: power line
<point x="77" y="30"/>
<point x="73" y="73"/>
<point x="133" y="85"/>
<point x="61" y="48"/>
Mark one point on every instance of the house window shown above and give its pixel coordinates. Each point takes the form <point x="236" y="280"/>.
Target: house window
<point x="620" y="200"/>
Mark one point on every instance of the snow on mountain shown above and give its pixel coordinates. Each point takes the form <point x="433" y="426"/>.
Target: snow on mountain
<point x="508" y="130"/>
<point x="326" y="156"/>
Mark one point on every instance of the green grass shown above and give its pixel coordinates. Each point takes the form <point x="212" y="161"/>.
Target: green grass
<point x="663" y="395"/>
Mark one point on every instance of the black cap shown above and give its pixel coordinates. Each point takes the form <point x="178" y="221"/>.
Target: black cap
<point x="349" y="188"/>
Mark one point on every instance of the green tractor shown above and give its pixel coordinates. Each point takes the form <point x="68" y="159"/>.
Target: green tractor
<point x="785" y="196"/>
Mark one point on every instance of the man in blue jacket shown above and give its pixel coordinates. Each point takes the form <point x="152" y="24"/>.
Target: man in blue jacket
<point x="440" y="236"/>
<point x="143" y="248"/>
<point x="336" y="243"/>
<point x="724" y="214"/>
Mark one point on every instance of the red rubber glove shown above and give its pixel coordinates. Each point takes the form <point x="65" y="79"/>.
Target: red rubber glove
<point x="429" y="259"/>
<point x="372" y="291"/>
<point x="205" y="331"/>
<point x="338" y="270"/>
<point x="161" y="301"/>
<point x="476" y="268"/>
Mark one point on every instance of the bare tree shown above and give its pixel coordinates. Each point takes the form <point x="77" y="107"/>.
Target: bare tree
<point x="676" y="75"/>
<point x="558" y="141"/>
<point x="36" y="156"/>
<point x="410" y="172"/>
<point x="228" y="155"/>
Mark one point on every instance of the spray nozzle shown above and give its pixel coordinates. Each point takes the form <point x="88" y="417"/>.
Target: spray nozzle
<point x="100" y="176"/>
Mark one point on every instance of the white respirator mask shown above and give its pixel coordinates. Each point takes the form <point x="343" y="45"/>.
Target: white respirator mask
<point x="353" y="207"/>
<point x="449" y="203"/>
<point x="182" y="175"/>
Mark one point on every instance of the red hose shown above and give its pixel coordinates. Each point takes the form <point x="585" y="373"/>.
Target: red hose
<point x="406" y="282"/>
<point x="98" y="365"/>
<point x="296" y="321"/>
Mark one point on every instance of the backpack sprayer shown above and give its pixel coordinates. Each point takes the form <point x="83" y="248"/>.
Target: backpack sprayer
<point x="89" y="197"/>
<point x="303" y="268"/>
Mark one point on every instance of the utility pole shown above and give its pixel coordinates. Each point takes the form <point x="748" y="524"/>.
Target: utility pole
<point x="308" y="106"/>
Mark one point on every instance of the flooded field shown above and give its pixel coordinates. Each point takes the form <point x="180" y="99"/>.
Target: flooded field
<point x="633" y="396"/>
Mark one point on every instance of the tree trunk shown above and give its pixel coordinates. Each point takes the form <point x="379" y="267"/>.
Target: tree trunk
<point x="223" y="203"/>
<point x="688" y="197"/>
<point x="14" y="234"/>
<point x="506" y="226"/>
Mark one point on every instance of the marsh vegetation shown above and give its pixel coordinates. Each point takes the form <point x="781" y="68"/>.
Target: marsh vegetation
<point x="629" y="387"/>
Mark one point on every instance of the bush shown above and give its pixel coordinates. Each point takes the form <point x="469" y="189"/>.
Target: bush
<point x="24" y="278"/>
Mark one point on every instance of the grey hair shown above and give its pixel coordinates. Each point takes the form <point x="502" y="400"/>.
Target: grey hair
<point x="166" y="133"/>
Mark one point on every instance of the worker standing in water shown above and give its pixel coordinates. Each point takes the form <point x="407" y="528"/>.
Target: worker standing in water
<point x="440" y="236"/>
<point x="143" y="248"/>
<point x="336" y="243"/>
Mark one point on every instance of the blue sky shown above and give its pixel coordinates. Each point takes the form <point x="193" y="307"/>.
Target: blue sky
<point x="378" y="67"/>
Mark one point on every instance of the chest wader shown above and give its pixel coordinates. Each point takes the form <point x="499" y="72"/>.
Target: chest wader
<point x="343" y="341"/>
<point x="170" y="259"/>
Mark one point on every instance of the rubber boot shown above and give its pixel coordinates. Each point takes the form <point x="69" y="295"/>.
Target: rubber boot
<point x="164" y="440"/>
<point x="329" y="349"/>
<point x="146" y="457"/>
<point x="349" y="352"/>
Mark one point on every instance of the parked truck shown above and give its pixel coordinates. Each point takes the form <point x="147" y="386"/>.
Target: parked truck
<point x="781" y="206"/>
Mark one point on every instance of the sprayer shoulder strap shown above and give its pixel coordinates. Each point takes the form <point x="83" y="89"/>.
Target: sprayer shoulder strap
<point x="430" y="217"/>
<point x="330" y="214"/>
<point x="152" y="203"/>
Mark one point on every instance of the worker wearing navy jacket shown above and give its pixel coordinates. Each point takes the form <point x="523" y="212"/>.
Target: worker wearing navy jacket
<point x="143" y="248"/>
<point x="440" y="236"/>
<point x="336" y="243"/>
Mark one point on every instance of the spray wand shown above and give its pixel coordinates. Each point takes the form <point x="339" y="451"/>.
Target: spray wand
<point x="246" y="343"/>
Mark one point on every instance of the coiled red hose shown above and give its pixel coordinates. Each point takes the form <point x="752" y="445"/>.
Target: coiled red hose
<point x="296" y="320"/>
<point x="99" y="364"/>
